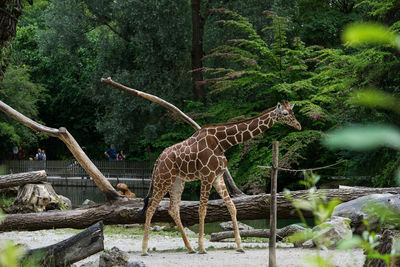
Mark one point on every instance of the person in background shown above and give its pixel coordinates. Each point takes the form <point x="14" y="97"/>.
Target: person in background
<point x="38" y="155"/>
<point x="44" y="157"/>
<point x="15" y="152"/>
<point x="121" y="156"/>
<point x="111" y="153"/>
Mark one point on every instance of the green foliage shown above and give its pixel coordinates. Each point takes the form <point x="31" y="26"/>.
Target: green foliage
<point x="360" y="33"/>
<point x="364" y="137"/>
<point x="19" y="92"/>
<point x="10" y="254"/>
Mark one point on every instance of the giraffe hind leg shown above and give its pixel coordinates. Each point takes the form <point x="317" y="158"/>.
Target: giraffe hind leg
<point x="204" y="194"/>
<point x="219" y="185"/>
<point x="175" y="199"/>
<point x="153" y="204"/>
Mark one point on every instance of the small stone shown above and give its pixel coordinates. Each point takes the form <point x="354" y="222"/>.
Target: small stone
<point x="189" y="232"/>
<point x="157" y="228"/>
<point x="114" y="257"/>
<point x="135" y="264"/>
<point x="88" y="202"/>
<point x="228" y="226"/>
<point x="308" y="244"/>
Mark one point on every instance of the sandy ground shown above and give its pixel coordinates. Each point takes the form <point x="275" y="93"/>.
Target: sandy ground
<point x="168" y="251"/>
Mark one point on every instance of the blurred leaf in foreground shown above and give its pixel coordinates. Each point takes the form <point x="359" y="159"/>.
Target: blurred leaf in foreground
<point x="376" y="98"/>
<point x="357" y="34"/>
<point x="364" y="137"/>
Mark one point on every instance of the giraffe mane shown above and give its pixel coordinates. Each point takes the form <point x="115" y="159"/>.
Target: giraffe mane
<point x="235" y="122"/>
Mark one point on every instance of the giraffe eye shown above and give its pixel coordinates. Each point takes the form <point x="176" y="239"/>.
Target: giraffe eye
<point x="285" y="113"/>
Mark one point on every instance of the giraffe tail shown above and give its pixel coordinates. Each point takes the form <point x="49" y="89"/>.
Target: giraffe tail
<point x="146" y="201"/>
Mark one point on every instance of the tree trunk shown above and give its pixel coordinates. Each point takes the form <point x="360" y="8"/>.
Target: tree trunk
<point x="197" y="51"/>
<point x="233" y="189"/>
<point x="280" y="233"/>
<point x="10" y="11"/>
<point x="73" y="249"/>
<point x="19" y="179"/>
<point x="120" y="212"/>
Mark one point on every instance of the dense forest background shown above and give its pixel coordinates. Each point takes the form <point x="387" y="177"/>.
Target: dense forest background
<point x="226" y="61"/>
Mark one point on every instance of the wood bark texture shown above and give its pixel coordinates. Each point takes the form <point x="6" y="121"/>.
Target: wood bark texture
<point x="280" y="233"/>
<point x="62" y="133"/>
<point x="273" y="209"/>
<point x="125" y="212"/>
<point x="10" y="11"/>
<point x="19" y="179"/>
<point x="73" y="249"/>
<point x="233" y="189"/>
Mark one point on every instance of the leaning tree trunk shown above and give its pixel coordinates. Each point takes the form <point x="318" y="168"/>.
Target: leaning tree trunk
<point x="71" y="250"/>
<point x="18" y="179"/>
<point x="62" y="133"/>
<point x="234" y="190"/>
<point x="248" y="208"/>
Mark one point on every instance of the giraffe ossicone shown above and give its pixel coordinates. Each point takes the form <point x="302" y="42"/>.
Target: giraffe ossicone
<point x="201" y="157"/>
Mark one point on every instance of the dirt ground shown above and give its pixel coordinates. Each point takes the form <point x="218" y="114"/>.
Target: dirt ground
<point x="169" y="251"/>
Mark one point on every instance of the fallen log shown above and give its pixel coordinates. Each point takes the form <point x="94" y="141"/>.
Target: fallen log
<point x="19" y="179"/>
<point x="280" y="233"/>
<point x="124" y="212"/>
<point x="68" y="251"/>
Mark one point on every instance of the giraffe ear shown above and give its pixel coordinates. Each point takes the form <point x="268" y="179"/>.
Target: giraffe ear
<point x="279" y="106"/>
<point x="291" y="106"/>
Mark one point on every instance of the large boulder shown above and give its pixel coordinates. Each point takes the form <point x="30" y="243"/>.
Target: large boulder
<point x="36" y="198"/>
<point x="329" y="233"/>
<point x="356" y="210"/>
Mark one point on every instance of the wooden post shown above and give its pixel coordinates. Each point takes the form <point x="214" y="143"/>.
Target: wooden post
<point x="272" y="214"/>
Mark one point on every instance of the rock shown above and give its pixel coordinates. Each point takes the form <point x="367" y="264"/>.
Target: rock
<point x="35" y="198"/>
<point x="228" y="226"/>
<point x="66" y="202"/>
<point x="114" y="257"/>
<point x="88" y="202"/>
<point x="329" y="233"/>
<point x="88" y="264"/>
<point x="355" y="210"/>
<point x="387" y="244"/>
<point x="135" y="264"/>
<point x="308" y="244"/>
<point x="158" y="228"/>
<point x="189" y="232"/>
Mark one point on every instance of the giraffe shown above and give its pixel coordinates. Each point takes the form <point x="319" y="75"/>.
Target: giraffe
<point x="201" y="157"/>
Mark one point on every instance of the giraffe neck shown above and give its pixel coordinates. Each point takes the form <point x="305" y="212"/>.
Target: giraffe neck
<point x="231" y="134"/>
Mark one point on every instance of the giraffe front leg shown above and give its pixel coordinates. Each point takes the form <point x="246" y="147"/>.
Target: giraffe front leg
<point x="204" y="194"/>
<point x="219" y="185"/>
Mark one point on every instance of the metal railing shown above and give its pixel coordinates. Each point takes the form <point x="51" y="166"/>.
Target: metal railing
<point x="64" y="168"/>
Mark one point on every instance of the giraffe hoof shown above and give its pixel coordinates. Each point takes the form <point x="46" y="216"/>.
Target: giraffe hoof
<point x="192" y="252"/>
<point x="240" y="250"/>
<point x="203" y="252"/>
<point x="145" y="254"/>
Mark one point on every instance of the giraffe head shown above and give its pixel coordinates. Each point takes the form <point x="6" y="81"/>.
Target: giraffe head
<point x="283" y="112"/>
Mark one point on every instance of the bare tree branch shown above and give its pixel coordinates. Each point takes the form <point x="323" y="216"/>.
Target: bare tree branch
<point x="234" y="190"/>
<point x="62" y="133"/>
